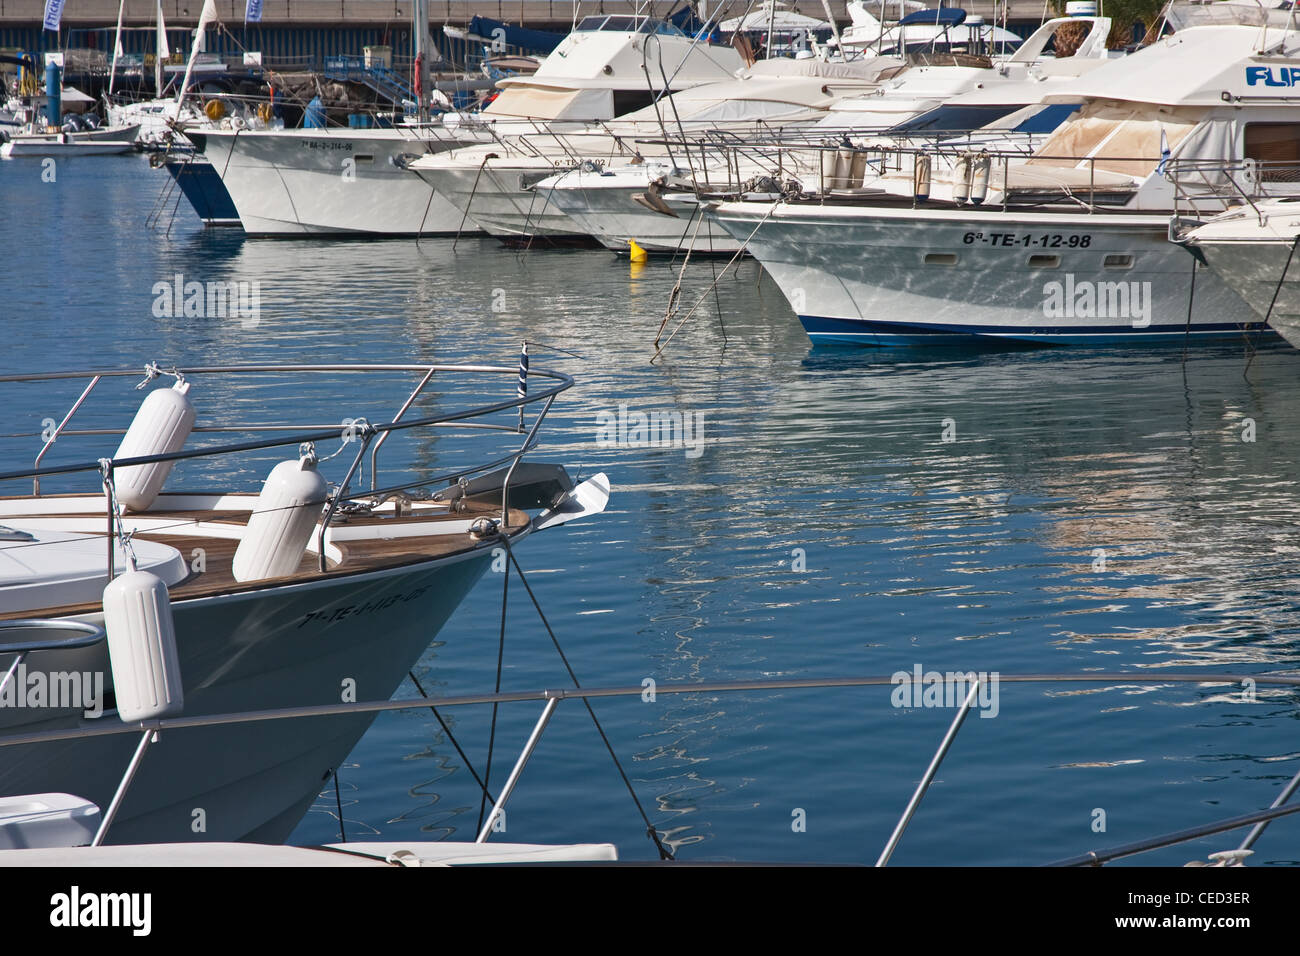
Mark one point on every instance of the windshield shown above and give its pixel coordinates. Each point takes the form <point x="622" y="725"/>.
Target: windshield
<point x="1249" y="13"/>
<point x="948" y="119"/>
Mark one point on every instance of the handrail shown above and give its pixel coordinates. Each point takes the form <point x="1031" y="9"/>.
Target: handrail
<point x="564" y="382"/>
<point x="150" y="729"/>
<point x="370" y="434"/>
<point x="89" y="634"/>
<point x="36" y="482"/>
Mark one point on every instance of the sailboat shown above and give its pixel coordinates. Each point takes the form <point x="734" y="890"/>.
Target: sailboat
<point x="156" y="118"/>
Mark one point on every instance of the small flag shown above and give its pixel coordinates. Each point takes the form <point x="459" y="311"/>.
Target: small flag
<point x="1164" y="154"/>
<point x="53" y="14"/>
<point x="523" y="381"/>
<point x="253" y="12"/>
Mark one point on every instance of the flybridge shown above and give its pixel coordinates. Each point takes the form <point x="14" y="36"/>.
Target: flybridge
<point x="1273" y="75"/>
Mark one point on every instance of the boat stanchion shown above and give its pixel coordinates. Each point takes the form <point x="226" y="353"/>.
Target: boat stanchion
<point x="928" y="778"/>
<point x="148" y="737"/>
<point x="499" y="807"/>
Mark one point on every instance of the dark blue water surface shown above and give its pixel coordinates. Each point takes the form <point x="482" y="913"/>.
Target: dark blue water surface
<point x="825" y="529"/>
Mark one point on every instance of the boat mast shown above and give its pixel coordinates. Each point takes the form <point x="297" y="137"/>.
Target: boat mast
<point x="160" y="53"/>
<point x="423" y="75"/>
<point x="117" y="48"/>
<point x="206" y="16"/>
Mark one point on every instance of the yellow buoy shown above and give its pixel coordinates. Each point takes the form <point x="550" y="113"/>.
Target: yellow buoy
<point x="214" y="110"/>
<point x="637" y="253"/>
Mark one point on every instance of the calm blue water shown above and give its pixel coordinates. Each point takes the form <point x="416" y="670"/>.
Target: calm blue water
<point x="971" y="554"/>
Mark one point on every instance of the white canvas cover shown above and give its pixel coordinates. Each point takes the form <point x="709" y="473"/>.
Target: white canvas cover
<point x="1123" y="137"/>
<point x="548" y="103"/>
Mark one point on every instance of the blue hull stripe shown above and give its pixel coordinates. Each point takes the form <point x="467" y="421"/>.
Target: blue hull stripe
<point x="829" y="331"/>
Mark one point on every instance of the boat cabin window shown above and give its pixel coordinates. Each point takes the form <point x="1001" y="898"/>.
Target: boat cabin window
<point x="1276" y="148"/>
<point x="947" y="119"/>
<point x="659" y="26"/>
<point x="628" y="101"/>
<point x="1048" y="118"/>
<point x="627" y="25"/>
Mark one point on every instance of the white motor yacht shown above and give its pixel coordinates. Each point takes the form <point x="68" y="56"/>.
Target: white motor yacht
<point x="1067" y="246"/>
<point x="316" y="590"/>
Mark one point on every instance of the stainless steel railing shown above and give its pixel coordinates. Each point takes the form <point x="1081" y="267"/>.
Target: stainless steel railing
<point x="298" y="434"/>
<point x="150" y="731"/>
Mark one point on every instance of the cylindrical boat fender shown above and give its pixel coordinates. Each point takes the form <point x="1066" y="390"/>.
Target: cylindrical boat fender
<point x="160" y="427"/>
<point x="843" y="168"/>
<point x="858" y="171"/>
<point x="829" y="159"/>
<point x="961" y="178"/>
<point x="979" y="177"/>
<point x="282" y="521"/>
<point x="921" y="177"/>
<point x="142" y="647"/>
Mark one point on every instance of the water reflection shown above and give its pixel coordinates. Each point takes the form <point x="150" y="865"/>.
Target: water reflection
<point x="827" y="528"/>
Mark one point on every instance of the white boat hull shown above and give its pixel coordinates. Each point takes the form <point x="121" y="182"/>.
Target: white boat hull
<point x="900" y="276"/>
<point x="102" y="142"/>
<point x="610" y="214"/>
<point x="327" y="182"/>
<point x="496" y="197"/>
<point x="1253" y="250"/>
<point x="302" y="644"/>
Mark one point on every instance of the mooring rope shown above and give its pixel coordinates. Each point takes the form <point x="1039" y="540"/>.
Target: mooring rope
<point x="651" y="832"/>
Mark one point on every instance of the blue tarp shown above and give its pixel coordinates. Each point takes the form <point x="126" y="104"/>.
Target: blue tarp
<point x="686" y="21"/>
<point x="944" y="17"/>
<point x="539" y="41"/>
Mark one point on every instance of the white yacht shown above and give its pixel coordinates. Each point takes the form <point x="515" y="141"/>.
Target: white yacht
<point x="309" y="592"/>
<point x="1252" y="249"/>
<point x="1067" y="246"/>
<point x="333" y="181"/>
<point x="919" y="29"/>
<point x="568" y="111"/>
<point x="324" y="181"/>
<point x="882" y="99"/>
<point x="622" y="202"/>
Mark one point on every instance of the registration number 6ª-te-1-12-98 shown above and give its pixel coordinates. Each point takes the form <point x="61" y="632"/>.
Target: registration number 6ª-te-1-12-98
<point x="1042" y="240"/>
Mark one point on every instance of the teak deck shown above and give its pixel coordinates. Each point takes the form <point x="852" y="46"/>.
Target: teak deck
<point x="357" y="557"/>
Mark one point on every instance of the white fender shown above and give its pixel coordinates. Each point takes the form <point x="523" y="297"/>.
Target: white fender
<point x="961" y="178"/>
<point x="142" y="647"/>
<point x="979" y="177"/>
<point x="843" y="169"/>
<point x="858" y="171"/>
<point x="921" y="178"/>
<point x="282" y="521"/>
<point x="160" y="427"/>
